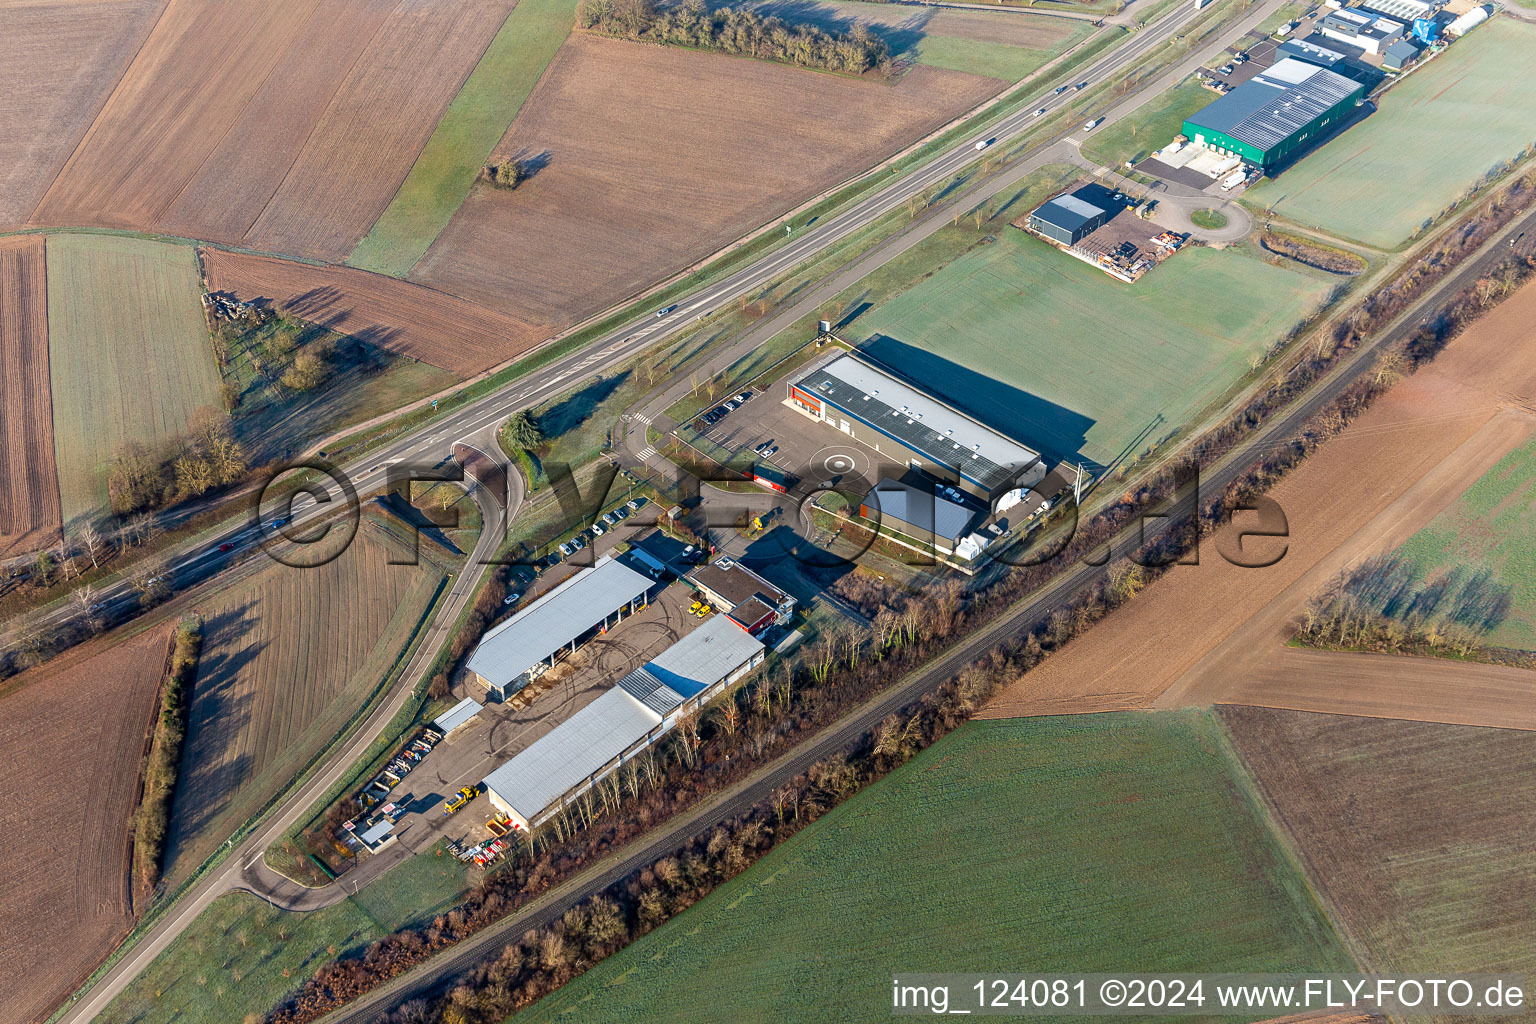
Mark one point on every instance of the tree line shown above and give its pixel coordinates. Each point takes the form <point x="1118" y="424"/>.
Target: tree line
<point x="733" y="31"/>
<point x="147" y="476"/>
<point x="152" y="820"/>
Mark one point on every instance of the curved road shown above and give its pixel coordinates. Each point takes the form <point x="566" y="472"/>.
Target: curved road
<point x="430" y="445"/>
<point x="440" y="972"/>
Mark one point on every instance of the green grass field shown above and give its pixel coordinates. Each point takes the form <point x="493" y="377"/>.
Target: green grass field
<point x="1149" y="129"/>
<point x="1435" y="135"/>
<point x="1074" y="362"/>
<point x="469" y="130"/>
<point x="243" y="955"/>
<point x="1490" y="528"/>
<point x="128" y="351"/>
<point x="1094" y="843"/>
<point x="993" y="60"/>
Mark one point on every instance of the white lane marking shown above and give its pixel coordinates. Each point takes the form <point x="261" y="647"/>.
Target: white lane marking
<point x="644" y="454"/>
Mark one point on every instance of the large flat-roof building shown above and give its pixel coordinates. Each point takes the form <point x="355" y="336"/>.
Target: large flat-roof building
<point x="637" y="712"/>
<point x="1276" y="115"/>
<point x="1073" y="216"/>
<point x="898" y="419"/>
<point x="518" y="651"/>
<point x="1366" y="30"/>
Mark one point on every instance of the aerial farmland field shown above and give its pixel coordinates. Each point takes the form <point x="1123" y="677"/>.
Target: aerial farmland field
<point x="475" y="121"/>
<point x="129" y="353"/>
<point x="1418" y="834"/>
<point x="65" y="814"/>
<point x="743" y="140"/>
<point x="289" y="656"/>
<point x="401" y="317"/>
<point x="1074" y="362"/>
<point x="293" y="139"/>
<point x="59" y="60"/>
<point x="1098" y="843"/>
<point x="29" y="483"/>
<point x="1490" y="530"/>
<point x="1442" y="128"/>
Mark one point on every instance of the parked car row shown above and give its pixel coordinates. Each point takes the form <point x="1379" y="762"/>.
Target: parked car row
<point x="607" y="521"/>
<point x="725" y="408"/>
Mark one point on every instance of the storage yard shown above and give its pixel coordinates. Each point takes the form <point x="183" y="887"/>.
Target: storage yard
<point x="66" y="813"/>
<point x="1091" y="813"/>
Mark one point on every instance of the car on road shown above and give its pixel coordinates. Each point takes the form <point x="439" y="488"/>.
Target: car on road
<point x="1040" y="111"/>
<point x="279" y="521"/>
<point x="664" y="310"/>
<point x="1079" y="86"/>
<point x="228" y="545"/>
<point x="1060" y="89"/>
<point x="1091" y="125"/>
<point x="99" y="606"/>
<point x="983" y="144"/>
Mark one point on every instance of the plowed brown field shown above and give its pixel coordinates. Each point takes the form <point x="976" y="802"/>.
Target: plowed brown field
<point x="59" y="60"/>
<point x="1418" y="836"/>
<point x="1198" y="635"/>
<point x="415" y="321"/>
<point x="29" y="481"/>
<point x="286" y="126"/>
<point x="73" y="732"/>
<point x="657" y="157"/>
<point x="288" y="657"/>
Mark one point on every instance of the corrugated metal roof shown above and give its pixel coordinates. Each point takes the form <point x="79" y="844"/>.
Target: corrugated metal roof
<point x="568" y="754"/>
<point x="572" y="751"/>
<point x="379" y="831"/>
<point x="457" y="715"/>
<point x="705" y="656"/>
<point x="555" y="619"/>
<point x="1276" y="103"/>
<point x="919" y="421"/>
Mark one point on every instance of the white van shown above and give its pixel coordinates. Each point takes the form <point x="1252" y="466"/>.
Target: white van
<point x="1091" y="125"/>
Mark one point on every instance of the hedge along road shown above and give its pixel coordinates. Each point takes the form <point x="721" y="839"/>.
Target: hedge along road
<point x="438" y="973"/>
<point x="432" y="442"/>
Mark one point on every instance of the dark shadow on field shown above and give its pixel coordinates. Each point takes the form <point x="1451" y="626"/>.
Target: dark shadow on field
<point x="571" y="412"/>
<point x="1390" y="586"/>
<point x="397" y="507"/>
<point x="1357" y="115"/>
<point x="901" y="38"/>
<point x="216" y="719"/>
<point x="1056" y="432"/>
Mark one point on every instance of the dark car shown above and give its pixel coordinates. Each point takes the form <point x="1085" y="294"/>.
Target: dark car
<point x="228" y="545"/>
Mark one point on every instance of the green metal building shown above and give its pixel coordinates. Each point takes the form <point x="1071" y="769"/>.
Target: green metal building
<point x="1277" y="115"/>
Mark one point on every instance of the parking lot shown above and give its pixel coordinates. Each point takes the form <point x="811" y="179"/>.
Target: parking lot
<point x="810" y="452"/>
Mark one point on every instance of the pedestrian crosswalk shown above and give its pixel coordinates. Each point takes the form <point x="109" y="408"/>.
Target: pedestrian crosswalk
<point x="643" y="418"/>
<point x="646" y="453"/>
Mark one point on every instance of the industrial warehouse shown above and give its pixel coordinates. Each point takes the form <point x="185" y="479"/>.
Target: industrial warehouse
<point x="897" y="419"/>
<point x="638" y="711"/>
<point x="1096" y="225"/>
<point x="518" y="651"/>
<point x="1277" y="115"/>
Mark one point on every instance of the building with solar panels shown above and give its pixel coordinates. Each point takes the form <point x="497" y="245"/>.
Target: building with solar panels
<point x="1277" y="115"/>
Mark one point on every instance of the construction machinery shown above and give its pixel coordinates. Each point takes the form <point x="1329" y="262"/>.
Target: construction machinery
<point x="459" y="799"/>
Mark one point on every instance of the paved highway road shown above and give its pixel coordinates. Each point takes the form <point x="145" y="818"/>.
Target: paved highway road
<point x="431" y="444"/>
<point x="440" y="972"/>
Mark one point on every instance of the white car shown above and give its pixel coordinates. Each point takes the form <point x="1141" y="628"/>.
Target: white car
<point x="983" y="144"/>
<point x="1091" y="125"/>
<point x="1040" y="111"/>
